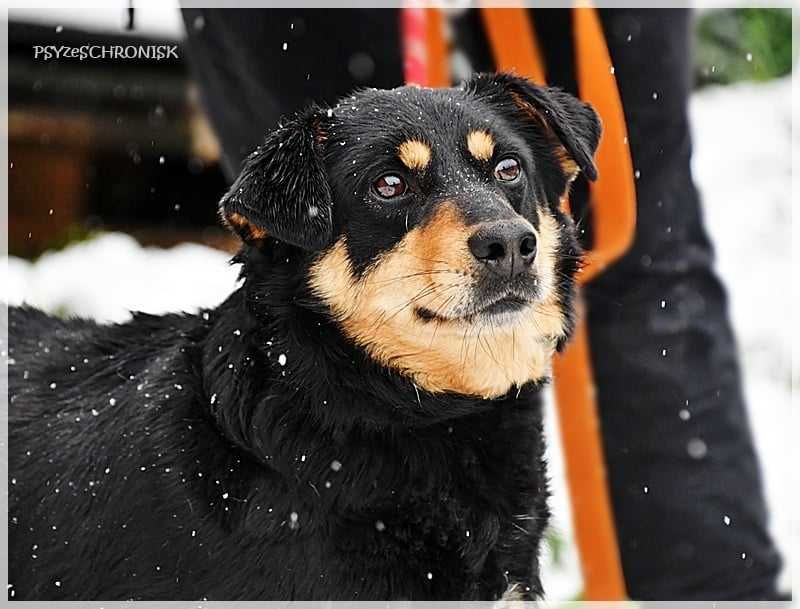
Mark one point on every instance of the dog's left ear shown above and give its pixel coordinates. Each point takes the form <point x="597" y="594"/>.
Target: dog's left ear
<point x="574" y="123"/>
<point x="282" y="190"/>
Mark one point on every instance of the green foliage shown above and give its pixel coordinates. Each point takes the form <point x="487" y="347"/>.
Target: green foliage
<point x="742" y="44"/>
<point x="556" y="544"/>
<point x="62" y="311"/>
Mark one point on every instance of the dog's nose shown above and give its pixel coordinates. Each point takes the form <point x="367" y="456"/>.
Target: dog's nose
<point x="507" y="248"/>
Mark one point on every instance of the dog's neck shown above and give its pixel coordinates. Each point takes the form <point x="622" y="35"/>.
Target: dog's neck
<point x="342" y="435"/>
<point x="340" y="431"/>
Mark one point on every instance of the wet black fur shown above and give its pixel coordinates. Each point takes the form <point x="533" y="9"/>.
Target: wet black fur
<point x="250" y="451"/>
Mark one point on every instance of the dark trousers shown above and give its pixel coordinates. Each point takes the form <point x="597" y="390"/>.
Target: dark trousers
<point x="668" y="380"/>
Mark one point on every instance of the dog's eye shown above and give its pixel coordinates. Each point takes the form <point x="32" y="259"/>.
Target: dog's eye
<point x="507" y="170"/>
<point x="389" y="186"/>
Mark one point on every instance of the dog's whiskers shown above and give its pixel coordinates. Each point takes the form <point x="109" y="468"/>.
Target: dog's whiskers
<point x="426" y="273"/>
<point x="426" y="291"/>
<point x="406" y="253"/>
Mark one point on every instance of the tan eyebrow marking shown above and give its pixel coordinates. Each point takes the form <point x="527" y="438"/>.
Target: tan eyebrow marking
<point x="480" y="145"/>
<point x="414" y="154"/>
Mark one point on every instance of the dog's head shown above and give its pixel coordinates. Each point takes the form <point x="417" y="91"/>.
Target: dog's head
<point x="431" y="223"/>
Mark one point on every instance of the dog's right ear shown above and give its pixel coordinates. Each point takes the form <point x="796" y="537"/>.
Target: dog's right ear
<point x="282" y="190"/>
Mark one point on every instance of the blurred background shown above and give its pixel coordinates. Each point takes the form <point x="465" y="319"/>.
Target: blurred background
<point x="114" y="177"/>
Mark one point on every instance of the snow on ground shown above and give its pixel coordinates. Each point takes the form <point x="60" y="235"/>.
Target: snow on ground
<point x="742" y="165"/>
<point x="107" y="277"/>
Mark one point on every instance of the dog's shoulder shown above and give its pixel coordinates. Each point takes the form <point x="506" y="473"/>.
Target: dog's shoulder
<point x="59" y="364"/>
<point x="31" y="326"/>
<point x="28" y="324"/>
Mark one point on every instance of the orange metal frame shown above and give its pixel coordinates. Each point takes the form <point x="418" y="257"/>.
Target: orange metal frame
<point x="613" y="200"/>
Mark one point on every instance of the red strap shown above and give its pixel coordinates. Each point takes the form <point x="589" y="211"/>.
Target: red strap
<point x="424" y="48"/>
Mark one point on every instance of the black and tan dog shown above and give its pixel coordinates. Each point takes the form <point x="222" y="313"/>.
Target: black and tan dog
<point x="359" y="420"/>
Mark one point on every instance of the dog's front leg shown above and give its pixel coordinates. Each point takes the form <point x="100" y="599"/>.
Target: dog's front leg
<point x="519" y="563"/>
<point x="513" y="598"/>
<point x="525" y="513"/>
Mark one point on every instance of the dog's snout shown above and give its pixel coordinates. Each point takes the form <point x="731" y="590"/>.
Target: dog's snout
<point x="507" y="248"/>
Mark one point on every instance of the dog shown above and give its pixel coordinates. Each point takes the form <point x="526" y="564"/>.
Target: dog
<point x="360" y="419"/>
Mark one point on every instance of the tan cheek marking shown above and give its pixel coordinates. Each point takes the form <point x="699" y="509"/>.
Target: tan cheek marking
<point x="246" y="229"/>
<point x="480" y="145"/>
<point x="376" y="311"/>
<point x="568" y="166"/>
<point x="414" y="154"/>
<point x="550" y="318"/>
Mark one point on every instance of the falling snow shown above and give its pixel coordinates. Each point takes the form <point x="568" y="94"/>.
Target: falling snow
<point x="697" y="448"/>
<point x="733" y="168"/>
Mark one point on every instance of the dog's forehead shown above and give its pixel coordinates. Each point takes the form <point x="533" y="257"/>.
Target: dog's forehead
<point x="402" y="103"/>
<point x="407" y="114"/>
